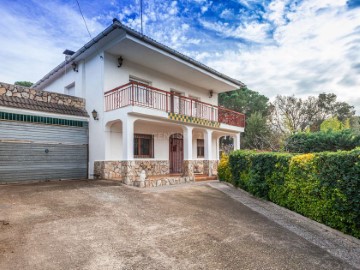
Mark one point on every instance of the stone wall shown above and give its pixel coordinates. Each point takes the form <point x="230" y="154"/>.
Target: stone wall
<point x="39" y="95"/>
<point x="156" y="171"/>
<point x="129" y="171"/>
<point x="207" y="167"/>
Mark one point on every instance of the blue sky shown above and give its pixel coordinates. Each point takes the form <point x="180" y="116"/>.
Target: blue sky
<point x="275" y="47"/>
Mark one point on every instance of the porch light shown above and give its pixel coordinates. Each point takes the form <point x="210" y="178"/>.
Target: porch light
<point x="211" y="92"/>
<point x="120" y="61"/>
<point x="95" y="115"/>
<point x="75" y="67"/>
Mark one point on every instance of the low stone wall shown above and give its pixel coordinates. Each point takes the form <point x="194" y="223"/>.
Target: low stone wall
<point x="129" y="171"/>
<point x="208" y="167"/>
<point x="156" y="171"/>
<point x="39" y="95"/>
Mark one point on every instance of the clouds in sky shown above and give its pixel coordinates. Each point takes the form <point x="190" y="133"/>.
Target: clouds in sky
<point x="275" y="47"/>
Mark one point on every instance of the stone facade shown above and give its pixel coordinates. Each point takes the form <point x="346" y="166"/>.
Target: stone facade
<point x="129" y="171"/>
<point x="207" y="167"/>
<point x="39" y="95"/>
<point x="157" y="172"/>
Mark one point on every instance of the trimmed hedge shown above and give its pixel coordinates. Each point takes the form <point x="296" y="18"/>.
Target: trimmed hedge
<point x="322" y="186"/>
<point x="322" y="141"/>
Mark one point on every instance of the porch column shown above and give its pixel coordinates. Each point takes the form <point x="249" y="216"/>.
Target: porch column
<point x="208" y="144"/>
<point x="237" y="141"/>
<point x="188" y="142"/>
<point x="188" y="166"/>
<point x="128" y="138"/>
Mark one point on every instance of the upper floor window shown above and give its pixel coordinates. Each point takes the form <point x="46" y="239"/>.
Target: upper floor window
<point x="139" y="80"/>
<point x="70" y="89"/>
<point x="142" y="94"/>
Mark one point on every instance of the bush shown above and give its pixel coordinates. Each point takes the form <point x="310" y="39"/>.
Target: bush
<point x="322" y="186"/>
<point x="224" y="172"/>
<point x="322" y="141"/>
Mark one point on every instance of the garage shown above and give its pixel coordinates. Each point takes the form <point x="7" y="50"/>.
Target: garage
<point x="34" y="147"/>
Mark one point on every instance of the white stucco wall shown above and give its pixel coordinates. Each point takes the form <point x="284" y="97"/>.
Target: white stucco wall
<point x="161" y="136"/>
<point x="69" y="76"/>
<point x="115" y="77"/>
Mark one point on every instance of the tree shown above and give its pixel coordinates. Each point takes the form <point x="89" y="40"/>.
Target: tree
<point x="255" y="107"/>
<point x="245" y="101"/>
<point x="334" y="124"/>
<point x="289" y="114"/>
<point x="24" y="83"/>
<point x="258" y="134"/>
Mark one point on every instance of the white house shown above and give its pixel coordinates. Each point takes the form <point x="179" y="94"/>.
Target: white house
<point x="155" y="110"/>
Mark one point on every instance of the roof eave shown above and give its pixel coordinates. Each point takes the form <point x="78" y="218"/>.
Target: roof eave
<point x="118" y="25"/>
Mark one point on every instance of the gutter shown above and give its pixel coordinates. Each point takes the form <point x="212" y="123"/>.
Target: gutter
<point x="118" y="25"/>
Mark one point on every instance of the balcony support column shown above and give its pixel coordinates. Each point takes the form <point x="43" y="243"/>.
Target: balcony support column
<point x="237" y="141"/>
<point x="208" y="144"/>
<point x="188" y="166"/>
<point x="128" y="138"/>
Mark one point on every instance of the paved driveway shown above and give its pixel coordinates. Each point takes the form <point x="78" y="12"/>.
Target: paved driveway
<point x="103" y="225"/>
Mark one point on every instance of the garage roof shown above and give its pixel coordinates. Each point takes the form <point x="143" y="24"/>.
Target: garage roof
<point x="28" y="104"/>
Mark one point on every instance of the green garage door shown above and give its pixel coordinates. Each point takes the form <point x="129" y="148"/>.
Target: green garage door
<point x="42" y="148"/>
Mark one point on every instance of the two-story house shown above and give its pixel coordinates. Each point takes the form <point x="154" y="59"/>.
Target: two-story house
<point x="155" y="111"/>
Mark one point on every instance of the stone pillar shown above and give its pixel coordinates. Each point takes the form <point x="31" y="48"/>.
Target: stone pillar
<point x="128" y="138"/>
<point x="237" y="141"/>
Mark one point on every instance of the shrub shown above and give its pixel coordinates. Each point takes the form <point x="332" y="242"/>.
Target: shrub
<point x="322" y="141"/>
<point x="322" y="186"/>
<point x="224" y="172"/>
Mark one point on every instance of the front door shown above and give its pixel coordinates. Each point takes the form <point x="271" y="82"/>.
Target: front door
<point x="176" y="153"/>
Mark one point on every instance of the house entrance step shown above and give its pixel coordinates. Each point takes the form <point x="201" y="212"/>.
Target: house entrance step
<point x="204" y="177"/>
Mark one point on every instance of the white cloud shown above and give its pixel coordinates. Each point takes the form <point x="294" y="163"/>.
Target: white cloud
<point x="252" y="31"/>
<point x="31" y="47"/>
<point x="315" y="51"/>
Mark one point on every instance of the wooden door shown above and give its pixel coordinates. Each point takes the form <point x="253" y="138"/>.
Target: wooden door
<point x="176" y="153"/>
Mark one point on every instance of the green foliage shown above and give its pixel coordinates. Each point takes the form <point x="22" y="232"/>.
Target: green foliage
<point x="257" y="135"/>
<point x="224" y="172"/>
<point x="24" y="83"/>
<point x="332" y="124"/>
<point x="245" y="101"/>
<point x="322" y="186"/>
<point x="322" y="141"/>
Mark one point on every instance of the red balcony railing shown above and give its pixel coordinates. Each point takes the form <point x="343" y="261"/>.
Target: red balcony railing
<point x="136" y="94"/>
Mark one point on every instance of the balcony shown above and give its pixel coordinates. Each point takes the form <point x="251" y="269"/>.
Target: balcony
<point x="136" y="94"/>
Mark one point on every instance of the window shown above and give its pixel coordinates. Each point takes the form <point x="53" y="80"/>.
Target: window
<point x="143" y="146"/>
<point x="142" y="93"/>
<point x="196" y="106"/>
<point x="70" y="89"/>
<point x="200" y="148"/>
<point x="177" y="103"/>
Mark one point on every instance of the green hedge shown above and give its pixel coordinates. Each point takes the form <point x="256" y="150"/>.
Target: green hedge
<point x="322" y="141"/>
<point x="322" y="186"/>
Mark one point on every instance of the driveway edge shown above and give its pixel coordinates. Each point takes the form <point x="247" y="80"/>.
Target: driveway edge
<point x="342" y="246"/>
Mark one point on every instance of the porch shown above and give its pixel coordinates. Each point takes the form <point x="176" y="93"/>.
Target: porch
<point x="147" y="152"/>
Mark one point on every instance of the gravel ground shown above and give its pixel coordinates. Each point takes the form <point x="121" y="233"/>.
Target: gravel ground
<point x="103" y="225"/>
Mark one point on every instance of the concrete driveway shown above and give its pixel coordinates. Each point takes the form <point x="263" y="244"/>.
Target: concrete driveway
<point x="103" y="225"/>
